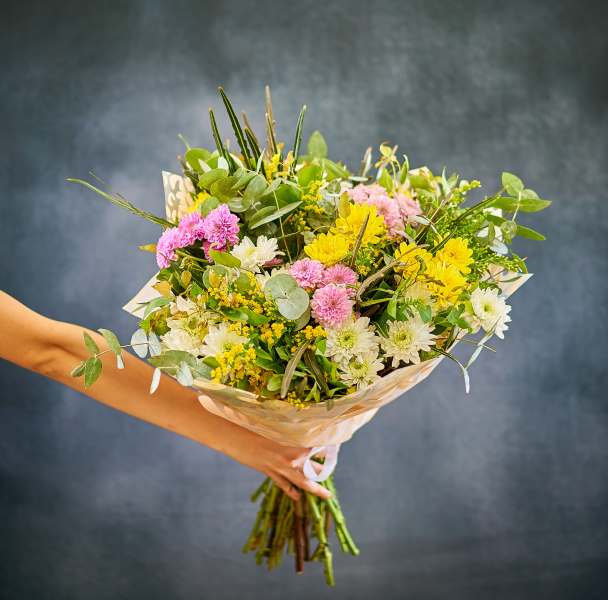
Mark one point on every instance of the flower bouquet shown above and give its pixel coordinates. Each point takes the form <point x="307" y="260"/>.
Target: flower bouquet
<point x="300" y="297"/>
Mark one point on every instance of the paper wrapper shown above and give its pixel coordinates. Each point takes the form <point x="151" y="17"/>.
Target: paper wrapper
<point x="313" y="426"/>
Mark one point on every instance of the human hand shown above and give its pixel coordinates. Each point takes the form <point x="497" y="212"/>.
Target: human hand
<point x="283" y="464"/>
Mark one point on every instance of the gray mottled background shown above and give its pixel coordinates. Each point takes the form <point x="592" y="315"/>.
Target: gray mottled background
<point x="499" y="494"/>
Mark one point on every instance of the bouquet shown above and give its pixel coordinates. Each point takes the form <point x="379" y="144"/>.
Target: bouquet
<point x="300" y="297"/>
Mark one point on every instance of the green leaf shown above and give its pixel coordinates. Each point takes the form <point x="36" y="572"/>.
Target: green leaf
<point x="92" y="371"/>
<point x="111" y="340"/>
<point x="236" y="126"/>
<point x="308" y="174"/>
<point x="523" y="204"/>
<point x="276" y="214"/>
<point x="334" y="170"/>
<point x="194" y="156"/>
<point x="531" y="234"/>
<point x="298" y="138"/>
<point x="155" y="304"/>
<point x="256" y="187"/>
<point x="291" y="367"/>
<point x="92" y="347"/>
<point x="274" y="383"/>
<point x="239" y="204"/>
<point x="224" y="258"/>
<point x="210" y="177"/>
<point x="235" y="314"/>
<point x="78" y="370"/>
<point x="425" y="312"/>
<point x="512" y="183"/>
<point x="172" y="359"/>
<point x="317" y="146"/>
<point x="223" y="189"/>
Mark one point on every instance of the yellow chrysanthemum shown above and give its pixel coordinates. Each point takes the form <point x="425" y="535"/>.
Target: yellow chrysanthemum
<point x="200" y="198"/>
<point x="445" y="282"/>
<point x="456" y="252"/>
<point x="350" y="226"/>
<point x="328" y="248"/>
<point x="410" y="254"/>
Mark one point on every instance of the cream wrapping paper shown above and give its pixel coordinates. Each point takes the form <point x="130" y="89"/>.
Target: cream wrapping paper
<point x="314" y="426"/>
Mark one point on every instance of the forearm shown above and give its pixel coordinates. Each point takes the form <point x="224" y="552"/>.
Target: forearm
<point x="55" y="348"/>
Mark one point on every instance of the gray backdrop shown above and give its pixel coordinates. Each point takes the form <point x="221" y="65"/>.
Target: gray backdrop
<point x="498" y="494"/>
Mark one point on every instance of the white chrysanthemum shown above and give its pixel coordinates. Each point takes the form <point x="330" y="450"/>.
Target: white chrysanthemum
<point x="253" y="256"/>
<point x="361" y="370"/>
<point x="491" y="310"/>
<point x="178" y="338"/>
<point x="220" y="339"/>
<point x="406" y="339"/>
<point x="351" y="339"/>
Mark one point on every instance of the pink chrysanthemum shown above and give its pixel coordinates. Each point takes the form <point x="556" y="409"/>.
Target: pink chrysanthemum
<point x="360" y="193"/>
<point x="220" y="227"/>
<point x="169" y="241"/>
<point x="339" y="275"/>
<point x="408" y="206"/>
<point x="331" y="305"/>
<point x="307" y="272"/>
<point x="192" y="227"/>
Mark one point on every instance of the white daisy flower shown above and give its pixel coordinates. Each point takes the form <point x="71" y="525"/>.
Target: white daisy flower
<point x="253" y="256"/>
<point x="361" y="370"/>
<point x="491" y="310"/>
<point x="351" y="339"/>
<point x="406" y="339"/>
<point x="220" y="339"/>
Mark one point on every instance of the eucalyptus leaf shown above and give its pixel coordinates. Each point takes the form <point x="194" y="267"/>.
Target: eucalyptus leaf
<point x="512" y="183"/>
<point x="208" y="205"/>
<point x="184" y="375"/>
<point x="522" y="204"/>
<point x="78" y="370"/>
<point x="92" y="371"/>
<point x="139" y="343"/>
<point x="155" y="380"/>
<point x="207" y="179"/>
<point x="194" y="157"/>
<point x="531" y="234"/>
<point x="92" y="347"/>
<point x="154" y="344"/>
<point x="256" y="187"/>
<point x="111" y="340"/>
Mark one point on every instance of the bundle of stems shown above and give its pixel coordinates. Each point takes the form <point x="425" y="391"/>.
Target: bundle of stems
<point x="286" y="525"/>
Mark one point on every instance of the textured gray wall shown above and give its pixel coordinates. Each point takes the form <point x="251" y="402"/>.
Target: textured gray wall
<point x="499" y="494"/>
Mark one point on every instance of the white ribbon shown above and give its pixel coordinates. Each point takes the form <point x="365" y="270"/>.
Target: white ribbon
<point x="331" y="460"/>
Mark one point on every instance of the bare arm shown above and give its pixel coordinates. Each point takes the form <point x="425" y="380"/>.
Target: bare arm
<point x="53" y="348"/>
